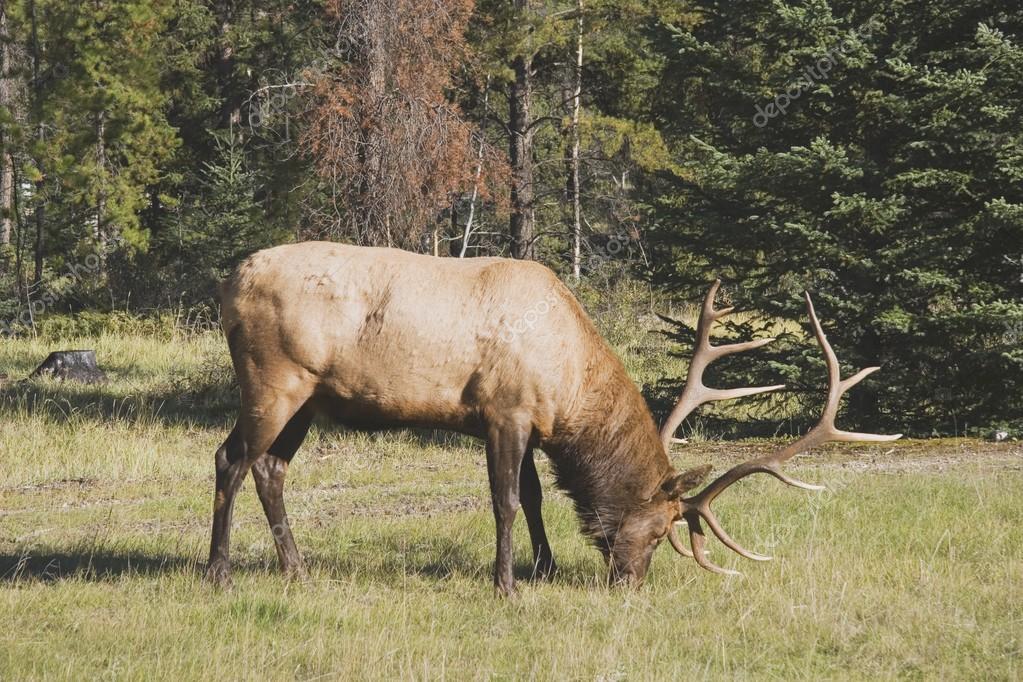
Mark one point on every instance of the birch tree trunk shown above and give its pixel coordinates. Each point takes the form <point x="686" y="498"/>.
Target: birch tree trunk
<point x="577" y="231"/>
<point x="6" y="159"/>
<point x="101" y="160"/>
<point x="467" y="233"/>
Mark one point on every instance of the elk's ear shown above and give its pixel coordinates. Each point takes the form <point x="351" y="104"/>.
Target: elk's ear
<point x="674" y="486"/>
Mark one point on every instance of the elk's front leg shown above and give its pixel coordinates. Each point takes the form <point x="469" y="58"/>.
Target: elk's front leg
<point x="506" y="445"/>
<point x="269" y="471"/>
<point x="531" y="496"/>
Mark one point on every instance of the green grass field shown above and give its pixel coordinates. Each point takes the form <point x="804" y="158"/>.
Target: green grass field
<point x="910" y="567"/>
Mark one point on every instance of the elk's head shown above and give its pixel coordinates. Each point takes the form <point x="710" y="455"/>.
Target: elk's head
<point x="643" y="528"/>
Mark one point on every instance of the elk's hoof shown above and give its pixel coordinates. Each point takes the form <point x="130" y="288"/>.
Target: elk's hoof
<point x="545" y="568"/>
<point x="296" y="574"/>
<point x="506" y="591"/>
<point x="219" y="576"/>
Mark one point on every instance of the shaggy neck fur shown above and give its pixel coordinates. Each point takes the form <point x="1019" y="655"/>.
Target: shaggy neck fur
<point x="608" y="457"/>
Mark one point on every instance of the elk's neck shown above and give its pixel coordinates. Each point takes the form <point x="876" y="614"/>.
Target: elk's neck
<point x="608" y="455"/>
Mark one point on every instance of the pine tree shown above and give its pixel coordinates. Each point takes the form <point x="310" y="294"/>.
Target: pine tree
<point x="108" y="135"/>
<point x="871" y="154"/>
<point x="215" y="227"/>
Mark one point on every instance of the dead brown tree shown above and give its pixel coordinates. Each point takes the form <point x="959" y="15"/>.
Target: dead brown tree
<point x="386" y="140"/>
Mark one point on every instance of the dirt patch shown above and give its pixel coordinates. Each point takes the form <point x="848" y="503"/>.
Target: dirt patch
<point x="60" y="484"/>
<point x="337" y="501"/>
<point x="896" y="457"/>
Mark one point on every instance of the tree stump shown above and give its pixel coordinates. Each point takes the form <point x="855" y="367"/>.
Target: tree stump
<point x="71" y="365"/>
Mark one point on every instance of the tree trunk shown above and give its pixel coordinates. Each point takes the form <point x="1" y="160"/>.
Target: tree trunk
<point x="376" y="66"/>
<point x="37" y="273"/>
<point x="37" y="95"/>
<point x="19" y="246"/>
<point x="99" y="234"/>
<point x="6" y="158"/>
<point x="230" y="105"/>
<point x="520" y="151"/>
<point x="467" y="233"/>
<point x="6" y="195"/>
<point x="577" y="230"/>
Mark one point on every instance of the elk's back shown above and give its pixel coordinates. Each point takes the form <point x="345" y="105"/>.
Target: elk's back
<point x="383" y="337"/>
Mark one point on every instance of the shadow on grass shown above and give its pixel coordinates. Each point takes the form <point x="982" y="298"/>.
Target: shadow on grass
<point x="53" y="566"/>
<point x="388" y="561"/>
<point x="392" y="559"/>
<point x="213" y="408"/>
<point x="59" y="401"/>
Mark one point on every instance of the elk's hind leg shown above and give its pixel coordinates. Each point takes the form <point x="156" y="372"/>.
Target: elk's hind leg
<point x="259" y="425"/>
<point x="531" y="496"/>
<point x="231" y="466"/>
<point x="269" y="471"/>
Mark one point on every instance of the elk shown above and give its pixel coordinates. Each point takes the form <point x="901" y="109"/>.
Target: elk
<point x="494" y="348"/>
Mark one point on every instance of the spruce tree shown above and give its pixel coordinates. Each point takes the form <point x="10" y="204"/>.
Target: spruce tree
<point x="872" y="154"/>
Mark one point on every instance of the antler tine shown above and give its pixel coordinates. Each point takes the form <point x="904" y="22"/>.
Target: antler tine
<point x="676" y="543"/>
<point x="695" y="392"/>
<point x="698" y="506"/>
<point x="697" y="539"/>
<point x="837" y="387"/>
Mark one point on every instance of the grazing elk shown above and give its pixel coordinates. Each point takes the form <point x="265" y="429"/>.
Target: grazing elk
<point x="490" y="347"/>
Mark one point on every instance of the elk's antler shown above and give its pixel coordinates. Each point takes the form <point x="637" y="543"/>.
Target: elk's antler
<point x="698" y="507"/>
<point x="695" y="393"/>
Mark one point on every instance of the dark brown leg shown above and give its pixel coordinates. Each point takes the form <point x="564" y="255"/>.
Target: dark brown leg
<point x="269" y="471"/>
<point x="532" y="497"/>
<point x="506" y="446"/>
<point x="258" y="427"/>
<point x="232" y="464"/>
